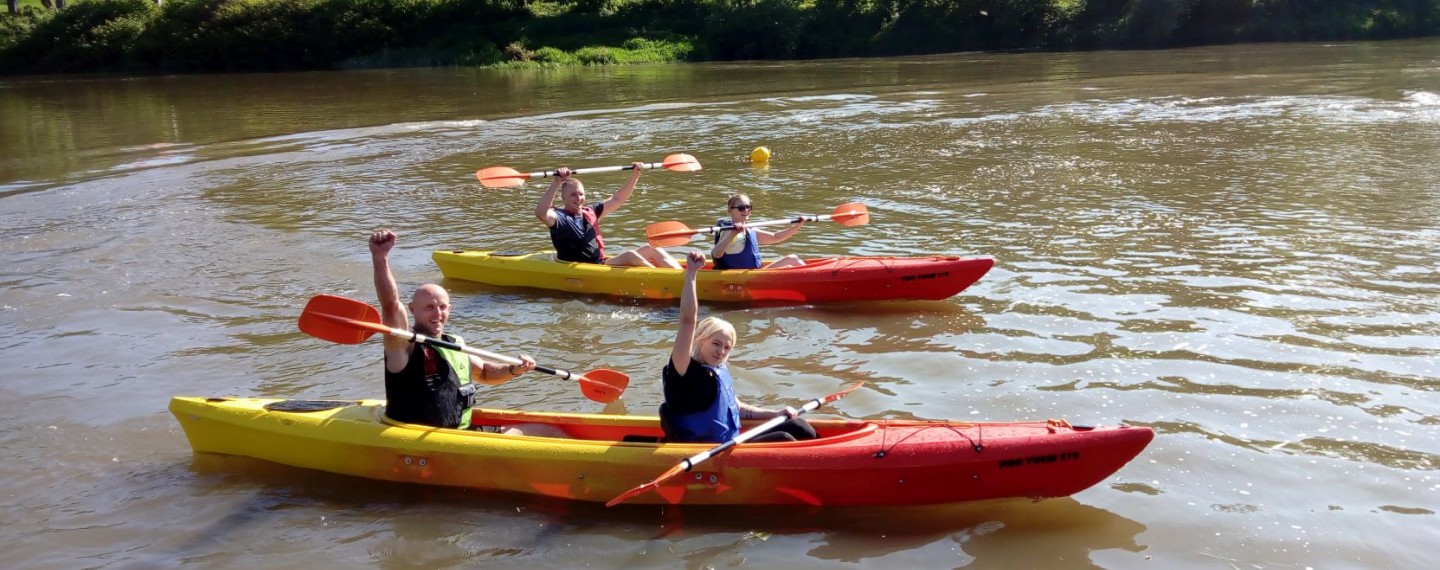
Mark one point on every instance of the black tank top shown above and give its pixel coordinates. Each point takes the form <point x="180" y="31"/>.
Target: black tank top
<point x="426" y="392"/>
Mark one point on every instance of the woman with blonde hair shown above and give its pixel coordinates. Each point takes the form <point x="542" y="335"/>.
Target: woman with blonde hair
<point x="700" y="404"/>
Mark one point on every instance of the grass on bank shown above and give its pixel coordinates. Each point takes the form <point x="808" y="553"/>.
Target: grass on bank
<point x="564" y="33"/>
<point x="631" y="51"/>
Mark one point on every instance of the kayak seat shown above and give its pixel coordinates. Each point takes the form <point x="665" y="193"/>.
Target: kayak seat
<point x="665" y="426"/>
<point x="664" y="430"/>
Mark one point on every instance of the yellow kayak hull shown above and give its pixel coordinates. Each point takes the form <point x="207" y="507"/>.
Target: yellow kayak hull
<point x="854" y="463"/>
<point x="821" y="280"/>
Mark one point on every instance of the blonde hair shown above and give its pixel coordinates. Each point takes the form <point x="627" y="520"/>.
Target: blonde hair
<point x="735" y="200"/>
<point x="708" y="328"/>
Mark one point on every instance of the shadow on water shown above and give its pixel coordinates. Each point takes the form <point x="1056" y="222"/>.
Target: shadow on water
<point x="416" y="519"/>
<point x="990" y="532"/>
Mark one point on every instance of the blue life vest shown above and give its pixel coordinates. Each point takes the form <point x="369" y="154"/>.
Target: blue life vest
<point x="747" y="258"/>
<point x="718" y="423"/>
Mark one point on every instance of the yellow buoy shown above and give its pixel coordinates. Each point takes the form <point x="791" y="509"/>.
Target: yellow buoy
<point x="760" y="155"/>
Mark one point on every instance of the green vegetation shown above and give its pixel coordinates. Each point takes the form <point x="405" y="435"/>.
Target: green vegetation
<point x="246" y="35"/>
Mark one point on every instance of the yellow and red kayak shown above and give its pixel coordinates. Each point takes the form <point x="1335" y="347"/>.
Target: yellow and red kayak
<point x="820" y="280"/>
<point x="854" y="463"/>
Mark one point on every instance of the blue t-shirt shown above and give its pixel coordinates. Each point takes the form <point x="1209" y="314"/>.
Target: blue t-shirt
<point x="576" y="237"/>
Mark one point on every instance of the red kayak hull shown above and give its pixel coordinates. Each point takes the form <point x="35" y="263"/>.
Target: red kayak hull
<point x="820" y="280"/>
<point x="854" y="463"/>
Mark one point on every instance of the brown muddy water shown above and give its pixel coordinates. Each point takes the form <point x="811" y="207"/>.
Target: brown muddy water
<point x="1233" y="245"/>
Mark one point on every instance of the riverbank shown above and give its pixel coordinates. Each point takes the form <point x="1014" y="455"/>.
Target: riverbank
<point x="279" y="35"/>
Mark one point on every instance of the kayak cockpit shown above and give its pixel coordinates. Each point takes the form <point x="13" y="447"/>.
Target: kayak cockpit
<point x="637" y="429"/>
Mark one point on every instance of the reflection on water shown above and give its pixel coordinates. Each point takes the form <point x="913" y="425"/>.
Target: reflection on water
<point x="395" y="525"/>
<point x="989" y="534"/>
<point x="1234" y="245"/>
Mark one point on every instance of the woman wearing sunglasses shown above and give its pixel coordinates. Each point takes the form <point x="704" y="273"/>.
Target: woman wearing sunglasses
<point x="738" y="247"/>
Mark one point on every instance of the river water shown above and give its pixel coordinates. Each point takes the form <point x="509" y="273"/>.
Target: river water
<point x="1233" y="245"/>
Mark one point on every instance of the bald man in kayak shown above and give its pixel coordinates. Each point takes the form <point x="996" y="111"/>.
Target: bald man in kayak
<point x="575" y="227"/>
<point x="430" y="385"/>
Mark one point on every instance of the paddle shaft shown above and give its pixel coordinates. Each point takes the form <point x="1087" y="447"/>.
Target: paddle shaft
<point x="593" y="170"/>
<point x="748" y="435"/>
<point x="716" y="229"/>
<point x="420" y="338"/>
<point x="690" y="463"/>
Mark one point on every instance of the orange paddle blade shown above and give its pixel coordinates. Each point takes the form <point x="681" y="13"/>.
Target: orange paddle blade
<point x="668" y="234"/>
<point x="500" y="177"/>
<point x="654" y="484"/>
<point x="680" y="163"/>
<point x="340" y="320"/>
<point x="851" y="214"/>
<point x="841" y="394"/>
<point x="603" y="385"/>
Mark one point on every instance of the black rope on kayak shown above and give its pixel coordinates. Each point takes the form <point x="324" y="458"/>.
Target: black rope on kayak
<point x="977" y="443"/>
<point x="847" y="263"/>
<point x="881" y="454"/>
<point x="306" y="405"/>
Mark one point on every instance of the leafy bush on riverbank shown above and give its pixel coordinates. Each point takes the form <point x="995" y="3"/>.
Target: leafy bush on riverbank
<point x="97" y="35"/>
<point x="234" y="35"/>
<point x="17" y="27"/>
<point x="240" y="35"/>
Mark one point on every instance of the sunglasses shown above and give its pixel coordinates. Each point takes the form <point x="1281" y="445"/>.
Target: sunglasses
<point x="743" y="207"/>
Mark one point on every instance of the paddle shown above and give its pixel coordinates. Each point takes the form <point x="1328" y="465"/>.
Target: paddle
<point x="690" y="463"/>
<point x="670" y="234"/>
<point x="506" y="177"/>
<point x="347" y="321"/>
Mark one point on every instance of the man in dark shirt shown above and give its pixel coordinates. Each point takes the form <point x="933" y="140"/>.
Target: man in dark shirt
<point x="425" y="384"/>
<point x="575" y="227"/>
